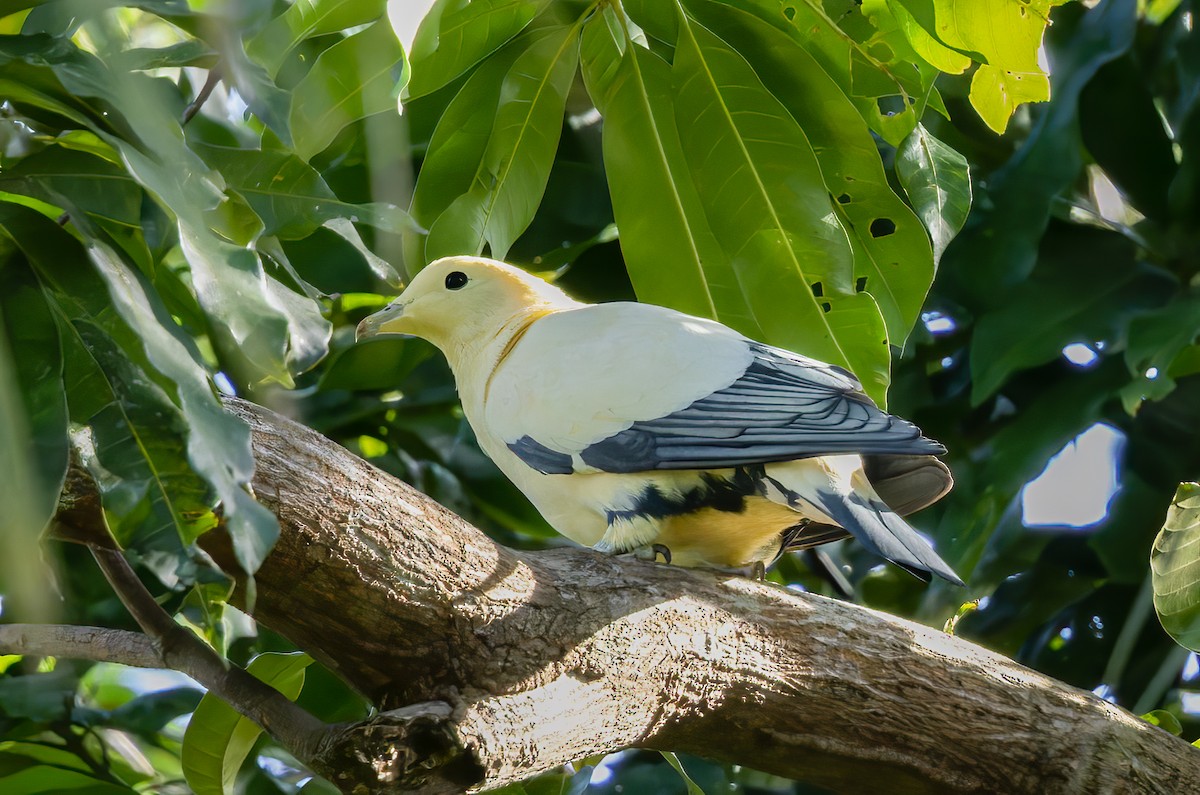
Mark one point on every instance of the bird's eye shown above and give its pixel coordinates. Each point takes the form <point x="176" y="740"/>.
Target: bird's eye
<point x="455" y="280"/>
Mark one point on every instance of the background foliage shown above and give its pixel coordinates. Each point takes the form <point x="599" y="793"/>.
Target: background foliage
<point x="797" y="170"/>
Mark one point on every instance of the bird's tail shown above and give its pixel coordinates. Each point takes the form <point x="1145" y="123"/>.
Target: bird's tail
<point x="881" y="530"/>
<point x="837" y="487"/>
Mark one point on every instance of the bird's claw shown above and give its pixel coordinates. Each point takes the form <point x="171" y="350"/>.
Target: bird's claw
<point x="758" y="572"/>
<point x="661" y="549"/>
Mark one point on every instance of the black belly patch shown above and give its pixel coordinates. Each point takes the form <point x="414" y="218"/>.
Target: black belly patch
<point x="719" y="493"/>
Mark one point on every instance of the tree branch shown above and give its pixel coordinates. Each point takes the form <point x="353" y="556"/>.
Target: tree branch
<point x="498" y="664"/>
<point x="181" y="650"/>
<point x="80" y="643"/>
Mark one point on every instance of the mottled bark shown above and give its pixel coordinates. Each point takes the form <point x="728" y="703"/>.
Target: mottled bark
<point x="499" y="664"/>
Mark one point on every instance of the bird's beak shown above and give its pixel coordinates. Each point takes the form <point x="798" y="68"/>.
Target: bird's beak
<point x="386" y="321"/>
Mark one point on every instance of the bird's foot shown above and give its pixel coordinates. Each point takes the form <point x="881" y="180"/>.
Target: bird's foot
<point x="758" y="572"/>
<point x="651" y="553"/>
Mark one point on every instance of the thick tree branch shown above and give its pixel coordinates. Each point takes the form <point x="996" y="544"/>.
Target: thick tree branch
<point x="500" y="664"/>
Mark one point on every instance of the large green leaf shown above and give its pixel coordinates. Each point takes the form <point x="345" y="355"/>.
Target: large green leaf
<point x="511" y="176"/>
<point x="293" y="200"/>
<point x="457" y="34"/>
<point x="892" y="257"/>
<point x="669" y="250"/>
<point x="861" y="67"/>
<point x="355" y="78"/>
<point x="938" y="183"/>
<point x="218" y="739"/>
<point x="64" y="177"/>
<point x="304" y="19"/>
<point x="1175" y="568"/>
<point x="766" y="201"/>
<point x="459" y="141"/>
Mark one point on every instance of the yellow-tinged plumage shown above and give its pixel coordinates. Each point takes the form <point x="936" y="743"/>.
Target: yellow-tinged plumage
<point x="631" y="426"/>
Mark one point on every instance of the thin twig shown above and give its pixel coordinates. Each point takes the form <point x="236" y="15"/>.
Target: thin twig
<point x="214" y="77"/>
<point x="296" y="729"/>
<point x="80" y="643"/>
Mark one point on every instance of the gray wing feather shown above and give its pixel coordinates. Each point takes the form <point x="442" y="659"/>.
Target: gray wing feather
<point x="784" y="407"/>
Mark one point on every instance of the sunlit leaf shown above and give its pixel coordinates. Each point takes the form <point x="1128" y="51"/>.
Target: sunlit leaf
<point x="1175" y="567"/>
<point x="218" y="739"/>
<point x="271" y="46"/>
<point x="355" y="78"/>
<point x="938" y="183"/>
<point x="766" y="201"/>
<point x="669" y="250"/>
<point x="459" y="141"/>
<point x="892" y="257"/>
<point x="457" y="34"/>
<point x="512" y="174"/>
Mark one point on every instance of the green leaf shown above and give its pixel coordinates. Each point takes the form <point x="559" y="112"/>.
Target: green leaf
<point x="191" y="52"/>
<point x="1002" y="35"/>
<point x="669" y="250"/>
<point x="379" y="363"/>
<point x="1088" y="295"/>
<point x="303" y="20"/>
<point x="692" y="787"/>
<point x="355" y="78"/>
<point x="885" y="13"/>
<point x="459" y="141"/>
<point x="996" y="93"/>
<point x="1164" y="720"/>
<point x="938" y="183"/>
<point x="893" y="261"/>
<point x="147" y="714"/>
<point x="293" y="200"/>
<point x="43" y="779"/>
<point x="766" y="202"/>
<point x="1158" y="349"/>
<point x="512" y="174"/>
<point x="457" y="34"/>
<point x="1175" y="568"/>
<point x="858" y="64"/>
<point x="39" y="696"/>
<point x="218" y="739"/>
<point x="67" y="178"/>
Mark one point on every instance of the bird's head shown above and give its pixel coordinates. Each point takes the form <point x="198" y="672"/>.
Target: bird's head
<point x="464" y="302"/>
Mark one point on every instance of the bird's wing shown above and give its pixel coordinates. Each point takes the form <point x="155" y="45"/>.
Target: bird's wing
<point x="634" y="388"/>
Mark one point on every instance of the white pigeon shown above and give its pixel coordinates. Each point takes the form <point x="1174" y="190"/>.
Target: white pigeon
<point x="635" y="428"/>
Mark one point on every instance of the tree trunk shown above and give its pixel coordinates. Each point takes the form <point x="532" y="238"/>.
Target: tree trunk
<point x="548" y="657"/>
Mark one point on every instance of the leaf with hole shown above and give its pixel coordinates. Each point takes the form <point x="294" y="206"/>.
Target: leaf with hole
<point x="765" y="198"/>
